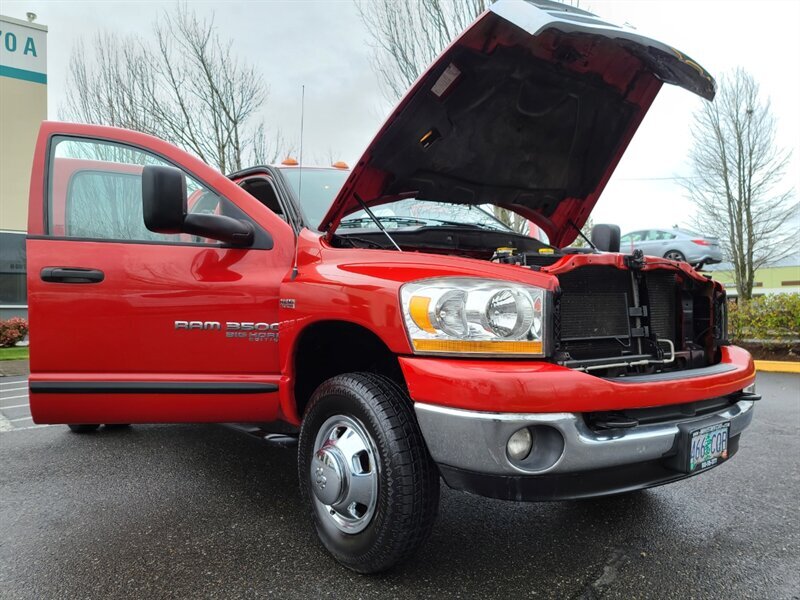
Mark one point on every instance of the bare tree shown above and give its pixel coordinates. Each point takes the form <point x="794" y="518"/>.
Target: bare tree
<point x="409" y="34"/>
<point x="737" y="173"/>
<point x="184" y="84"/>
<point x="515" y="221"/>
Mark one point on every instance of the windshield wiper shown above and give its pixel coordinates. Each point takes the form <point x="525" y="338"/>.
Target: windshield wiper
<point x="469" y="225"/>
<point x="362" y="220"/>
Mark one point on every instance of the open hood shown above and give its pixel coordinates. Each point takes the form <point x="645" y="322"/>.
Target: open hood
<point x="530" y="109"/>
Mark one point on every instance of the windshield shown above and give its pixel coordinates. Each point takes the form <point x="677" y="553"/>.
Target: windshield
<point x="414" y="212"/>
<point x="320" y="186"/>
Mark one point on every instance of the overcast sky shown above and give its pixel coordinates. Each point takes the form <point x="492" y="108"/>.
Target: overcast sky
<point x="324" y="46"/>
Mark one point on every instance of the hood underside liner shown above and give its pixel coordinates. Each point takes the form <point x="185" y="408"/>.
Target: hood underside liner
<point x="549" y="137"/>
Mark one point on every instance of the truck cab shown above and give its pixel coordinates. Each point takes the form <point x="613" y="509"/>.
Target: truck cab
<point x="381" y="315"/>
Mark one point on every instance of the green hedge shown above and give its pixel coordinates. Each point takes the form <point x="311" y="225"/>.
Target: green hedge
<point x="769" y="317"/>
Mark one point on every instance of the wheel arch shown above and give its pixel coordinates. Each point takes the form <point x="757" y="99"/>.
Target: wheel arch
<point x="328" y="348"/>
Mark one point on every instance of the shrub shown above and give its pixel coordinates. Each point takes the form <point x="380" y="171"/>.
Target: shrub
<point x="769" y="317"/>
<point x="12" y="331"/>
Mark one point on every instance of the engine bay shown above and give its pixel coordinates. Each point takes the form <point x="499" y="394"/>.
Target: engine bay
<point x="460" y="240"/>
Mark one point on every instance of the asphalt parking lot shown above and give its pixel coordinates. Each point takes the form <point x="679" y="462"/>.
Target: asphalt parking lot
<point x="177" y="511"/>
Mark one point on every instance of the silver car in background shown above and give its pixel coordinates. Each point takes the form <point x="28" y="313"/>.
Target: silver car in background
<point x="675" y="244"/>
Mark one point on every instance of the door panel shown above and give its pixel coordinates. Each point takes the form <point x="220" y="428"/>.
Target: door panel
<point x="126" y="322"/>
<point x="128" y="325"/>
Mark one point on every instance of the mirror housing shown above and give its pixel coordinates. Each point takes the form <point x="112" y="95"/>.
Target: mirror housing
<point x="163" y="199"/>
<point x="164" y="207"/>
<point x="606" y="237"/>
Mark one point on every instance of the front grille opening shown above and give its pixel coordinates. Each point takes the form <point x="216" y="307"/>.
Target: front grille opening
<point x="615" y="322"/>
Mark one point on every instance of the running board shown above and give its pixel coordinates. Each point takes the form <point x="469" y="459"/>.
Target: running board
<point x="267" y="434"/>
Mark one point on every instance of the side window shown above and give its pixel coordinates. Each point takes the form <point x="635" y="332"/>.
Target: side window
<point x="637" y="236"/>
<point x="625" y="239"/>
<point x="261" y="189"/>
<point x="661" y="235"/>
<point x="95" y="192"/>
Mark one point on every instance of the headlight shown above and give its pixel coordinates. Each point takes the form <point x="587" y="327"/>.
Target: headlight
<point x="474" y="316"/>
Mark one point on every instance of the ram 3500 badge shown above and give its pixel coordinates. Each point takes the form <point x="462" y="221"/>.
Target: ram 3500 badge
<point x="255" y="332"/>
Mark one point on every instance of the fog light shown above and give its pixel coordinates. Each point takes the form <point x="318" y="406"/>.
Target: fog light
<point x="519" y="444"/>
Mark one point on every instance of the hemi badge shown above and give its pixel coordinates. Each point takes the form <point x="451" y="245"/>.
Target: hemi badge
<point x="287" y="302"/>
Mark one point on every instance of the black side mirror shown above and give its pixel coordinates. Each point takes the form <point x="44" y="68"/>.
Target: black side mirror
<point x="163" y="199"/>
<point x="606" y="237"/>
<point x="164" y="206"/>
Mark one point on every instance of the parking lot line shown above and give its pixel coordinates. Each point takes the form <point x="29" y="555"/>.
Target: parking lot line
<point x="15" y="406"/>
<point x="28" y="418"/>
<point x="13" y="397"/>
<point x="26" y="428"/>
<point x="14" y="389"/>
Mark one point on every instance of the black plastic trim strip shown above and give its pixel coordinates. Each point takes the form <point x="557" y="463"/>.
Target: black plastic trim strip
<point x="150" y="387"/>
<point x="717" y="369"/>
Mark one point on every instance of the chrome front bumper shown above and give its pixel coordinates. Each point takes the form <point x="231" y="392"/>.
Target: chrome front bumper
<point x="476" y="441"/>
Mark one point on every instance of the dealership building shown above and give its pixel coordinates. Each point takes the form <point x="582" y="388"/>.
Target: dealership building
<point x="23" y="106"/>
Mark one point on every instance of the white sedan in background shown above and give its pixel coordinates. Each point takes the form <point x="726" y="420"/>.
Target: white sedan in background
<point x="675" y="244"/>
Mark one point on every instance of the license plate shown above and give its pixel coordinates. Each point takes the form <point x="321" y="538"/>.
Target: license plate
<point x="708" y="446"/>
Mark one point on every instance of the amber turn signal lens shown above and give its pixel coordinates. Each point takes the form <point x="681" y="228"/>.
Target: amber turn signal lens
<point x="289" y="162"/>
<point x="478" y="346"/>
<point x="418" y="310"/>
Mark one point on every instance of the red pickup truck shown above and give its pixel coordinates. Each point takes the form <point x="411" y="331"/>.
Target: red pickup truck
<point x="381" y="316"/>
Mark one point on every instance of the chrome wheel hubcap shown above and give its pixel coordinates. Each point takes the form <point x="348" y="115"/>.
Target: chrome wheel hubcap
<point x="344" y="474"/>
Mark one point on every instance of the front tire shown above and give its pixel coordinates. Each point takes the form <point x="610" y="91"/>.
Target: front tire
<point x="365" y="472"/>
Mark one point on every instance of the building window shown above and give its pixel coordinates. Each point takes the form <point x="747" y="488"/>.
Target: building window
<point x="13" y="291"/>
